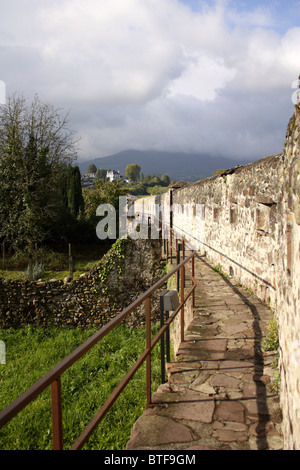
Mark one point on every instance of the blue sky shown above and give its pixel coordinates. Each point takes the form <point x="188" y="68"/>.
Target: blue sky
<point x="174" y="75"/>
<point x="280" y="14"/>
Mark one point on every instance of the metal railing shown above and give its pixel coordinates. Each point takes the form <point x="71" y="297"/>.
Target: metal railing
<point x="53" y="377"/>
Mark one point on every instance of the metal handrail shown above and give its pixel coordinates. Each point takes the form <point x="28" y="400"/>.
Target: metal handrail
<point x="53" y="377"/>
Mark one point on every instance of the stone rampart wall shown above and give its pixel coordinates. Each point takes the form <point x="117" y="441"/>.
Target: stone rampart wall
<point x="288" y="292"/>
<point x="235" y="219"/>
<point x="247" y="220"/>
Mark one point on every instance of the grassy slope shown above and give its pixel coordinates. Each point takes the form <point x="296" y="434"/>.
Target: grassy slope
<point x="31" y="352"/>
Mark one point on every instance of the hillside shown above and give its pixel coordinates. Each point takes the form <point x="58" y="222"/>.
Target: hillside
<point x="180" y="166"/>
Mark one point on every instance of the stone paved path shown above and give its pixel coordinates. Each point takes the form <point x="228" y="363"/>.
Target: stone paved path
<point x="220" y="390"/>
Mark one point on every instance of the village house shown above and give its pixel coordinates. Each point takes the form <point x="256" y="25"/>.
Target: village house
<point x="113" y="175"/>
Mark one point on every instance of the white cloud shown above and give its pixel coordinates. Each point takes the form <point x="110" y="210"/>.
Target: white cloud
<point x="202" y="77"/>
<point x="155" y="73"/>
<point x="109" y="51"/>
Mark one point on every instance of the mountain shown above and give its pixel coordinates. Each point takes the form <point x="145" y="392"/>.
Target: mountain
<point x="180" y="166"/>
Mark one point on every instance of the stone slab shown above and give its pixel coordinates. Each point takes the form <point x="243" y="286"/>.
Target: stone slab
<point x="230" y="411"/>
<point x="151" y="431"/>
<point x="201" y="411"/>
<point x="226" y="435"/>
<point x="223" y="380"/>
<point x="235" y="368"/>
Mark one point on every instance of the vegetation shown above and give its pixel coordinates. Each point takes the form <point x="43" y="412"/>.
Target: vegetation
<point x="51" y="263"/>
<point x="43" y="209"/>
<point x="72" y="192"/>
<point x="271" y="341"/>
<point x="137" y="184"/>
<point x="31" y="352"/>
<point x="271" y="344"/>
<point x="148" y="185"/>
<point x="133" y="172"/>
<point x="92" y="168"/>
<point x="218" y="268"/>
<point x="42" y="203"/>
<point x="100" y="174"/>
<point x="36" y="148"/>
<point x="43" y="206"/>
<point x="102" y="193"/>
<point x="111" y="262"/>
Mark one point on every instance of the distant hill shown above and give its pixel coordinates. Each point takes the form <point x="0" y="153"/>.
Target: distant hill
<point x="180" y="166"/>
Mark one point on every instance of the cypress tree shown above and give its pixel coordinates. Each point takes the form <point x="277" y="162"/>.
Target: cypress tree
<point x="75" y="200"/>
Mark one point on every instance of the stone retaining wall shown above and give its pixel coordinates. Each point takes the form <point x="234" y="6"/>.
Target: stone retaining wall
<point x="124" y="273"/>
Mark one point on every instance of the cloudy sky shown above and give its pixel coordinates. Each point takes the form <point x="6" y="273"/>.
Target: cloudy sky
<point x="175" y="75"/>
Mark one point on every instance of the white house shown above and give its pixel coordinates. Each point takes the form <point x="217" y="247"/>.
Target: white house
<point x="113" y="175"/>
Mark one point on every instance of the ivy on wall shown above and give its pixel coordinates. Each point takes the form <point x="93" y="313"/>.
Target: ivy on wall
<point x="111" y="262"/>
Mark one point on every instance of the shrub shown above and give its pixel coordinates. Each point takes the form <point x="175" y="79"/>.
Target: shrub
<point x="38" y="271"/>
<point x="271" y="341"/>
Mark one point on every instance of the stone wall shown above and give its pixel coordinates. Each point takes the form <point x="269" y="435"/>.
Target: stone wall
<point x="235" y="218"/>
<point x="247" y="220"/>
<point x="288" y="292"/>
<point x="124" y="273"/>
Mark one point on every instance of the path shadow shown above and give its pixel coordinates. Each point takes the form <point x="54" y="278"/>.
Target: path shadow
<point x="261" y="390"/>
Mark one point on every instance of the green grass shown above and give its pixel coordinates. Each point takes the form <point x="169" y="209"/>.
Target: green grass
<point x="31" y="352"/>
<point x="55" y="262"/>
<point x="80" y="267"/>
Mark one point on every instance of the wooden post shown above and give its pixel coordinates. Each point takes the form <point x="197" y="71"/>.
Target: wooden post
<point x="35" y="253"/>
<point x="3" y="255"/>
<point x="70" y="262"/>
<point x="30" y="268"/>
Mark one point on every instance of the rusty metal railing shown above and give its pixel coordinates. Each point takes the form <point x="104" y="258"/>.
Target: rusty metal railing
<point x="53" y="377"/>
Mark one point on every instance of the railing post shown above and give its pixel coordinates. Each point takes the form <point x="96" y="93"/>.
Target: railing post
<point x="168" y="340"/>
<point x="178" y="248"/>
<point x="193" y="276"/>
<point x="183" y="257"/>
<point x="182" y="300"/>
<point x="162" y="342"/>
<point x="148" y="346"/>
<point x="57" y="415"/>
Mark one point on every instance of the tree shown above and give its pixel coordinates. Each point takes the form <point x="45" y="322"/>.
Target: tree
<point x="104" y="193"/>
<point x="152" y="180"/>
<point x="156" y="190"/>
<point x="75" y="202"/>
<point x="133" y="172"/>
<point x="36" y="147"/>
<point x="101" y="174"/>
<point x="165" y="180"/>
<point x="92" y="168"/>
